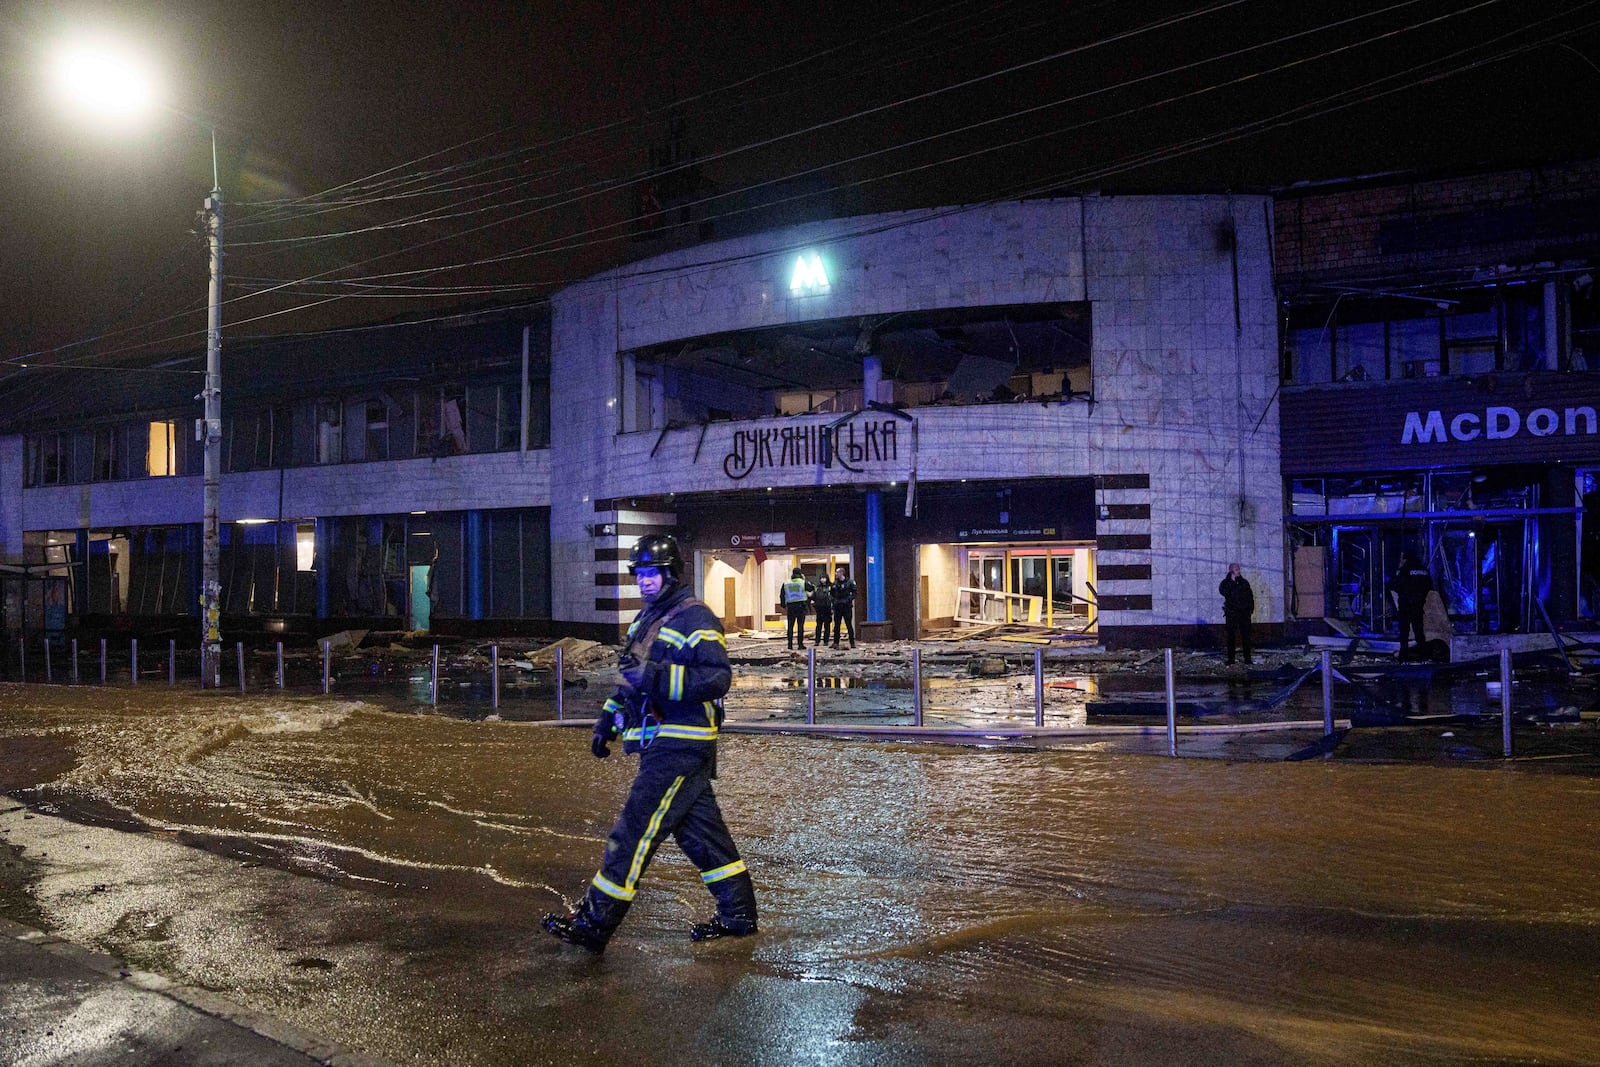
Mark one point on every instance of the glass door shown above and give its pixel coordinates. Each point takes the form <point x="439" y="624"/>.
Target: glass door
<point x="1030" y="576"/>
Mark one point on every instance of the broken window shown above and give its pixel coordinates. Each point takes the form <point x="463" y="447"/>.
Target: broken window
<point x="1037" y="352"/>
<point x="162" y="452"/>
<point x="330" y="426"/>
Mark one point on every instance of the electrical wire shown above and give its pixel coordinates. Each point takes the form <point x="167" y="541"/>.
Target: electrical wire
<point x="1120" y="165"/>
<point x="1114" y="38"/>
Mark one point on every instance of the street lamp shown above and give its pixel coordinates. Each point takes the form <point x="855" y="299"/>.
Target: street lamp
<point x="102" y="79"/>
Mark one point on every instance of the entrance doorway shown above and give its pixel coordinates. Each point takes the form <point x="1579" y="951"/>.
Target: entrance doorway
<point x="1048" y="585"/>
<point x="743" y="591"/>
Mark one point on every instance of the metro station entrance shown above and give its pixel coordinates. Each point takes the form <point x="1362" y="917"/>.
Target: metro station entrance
<point x="1050" y="586"/>
<point x="742" y="588"/>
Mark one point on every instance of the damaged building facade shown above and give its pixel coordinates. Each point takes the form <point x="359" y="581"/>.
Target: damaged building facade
<point x="1440" y="395"/>
<point x="1055" y="413"/>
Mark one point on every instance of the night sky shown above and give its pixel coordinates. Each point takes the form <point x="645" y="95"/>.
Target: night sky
<point x="487" y="153"/>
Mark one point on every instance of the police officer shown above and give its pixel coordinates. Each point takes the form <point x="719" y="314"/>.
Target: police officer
<point x="1411" y="585"/>
<point x="844" y="606"/>
<point x="822" y="604"/>
<point x="667" y="707"/>
<point x="795" y="592"/>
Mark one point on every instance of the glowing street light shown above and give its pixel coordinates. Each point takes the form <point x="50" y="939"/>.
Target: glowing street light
<point x="100" y="78"/>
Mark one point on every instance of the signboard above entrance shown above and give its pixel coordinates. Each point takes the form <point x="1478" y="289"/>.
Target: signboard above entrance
<point x="855" y="446"/>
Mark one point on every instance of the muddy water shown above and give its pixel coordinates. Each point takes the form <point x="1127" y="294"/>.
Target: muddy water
<point x="377" y="878"/>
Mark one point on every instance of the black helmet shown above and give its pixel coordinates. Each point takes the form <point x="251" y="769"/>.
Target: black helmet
<point x="656" y="550"/>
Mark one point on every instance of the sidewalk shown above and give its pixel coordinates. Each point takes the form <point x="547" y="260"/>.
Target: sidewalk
<point x="66" y="1004"/>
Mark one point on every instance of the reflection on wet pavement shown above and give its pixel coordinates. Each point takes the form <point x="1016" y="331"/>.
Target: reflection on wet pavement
<point x="377" y="877"/>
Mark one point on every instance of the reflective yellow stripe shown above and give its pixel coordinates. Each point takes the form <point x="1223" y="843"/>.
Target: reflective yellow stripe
<point x="671" y="637"/>
<point x="726" y="871"/>
<point x="688" y="733"/>
<point x="612" y="705"/>
<point x="650" y="832"/>
<point x="610" y="888"/>
<point x="675" y="682"/>
<point x="691" y="733"/>
<point x="708" y="635"/>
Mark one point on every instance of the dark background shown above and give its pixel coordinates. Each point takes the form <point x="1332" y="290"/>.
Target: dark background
<point x="544" y="129"/>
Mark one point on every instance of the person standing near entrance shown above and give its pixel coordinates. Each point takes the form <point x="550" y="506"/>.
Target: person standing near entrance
<point x="1410" y="587"/>
<point x="844" y="606"/>
<point x="822" y="604"/>
<point x="795" y="593"/>
<point x="667" y="707"/>
<point x="1238" y="604"/>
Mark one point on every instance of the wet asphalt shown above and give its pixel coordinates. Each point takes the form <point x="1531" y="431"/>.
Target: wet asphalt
<point x="67" y="1004"/>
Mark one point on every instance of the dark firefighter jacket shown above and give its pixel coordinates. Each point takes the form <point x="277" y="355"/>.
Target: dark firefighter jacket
<point x="686" y="673"/>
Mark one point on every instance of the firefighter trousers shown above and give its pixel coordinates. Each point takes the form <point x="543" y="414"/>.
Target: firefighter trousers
<point x="672" y="794"/>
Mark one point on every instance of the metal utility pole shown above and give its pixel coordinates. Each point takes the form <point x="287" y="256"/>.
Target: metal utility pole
<point x="210" y="586"/>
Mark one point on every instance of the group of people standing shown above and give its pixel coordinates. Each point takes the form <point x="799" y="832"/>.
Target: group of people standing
<point x="834" y="602"/>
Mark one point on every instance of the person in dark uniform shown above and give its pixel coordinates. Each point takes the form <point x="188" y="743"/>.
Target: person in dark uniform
<point x="795" y="593"/>
<point x="844" y="606"/>
<point x="1238" y="604"/>
<point x="822" y="604"/>
<point x="667" y="707"/>
<point x="1410" y="586"/>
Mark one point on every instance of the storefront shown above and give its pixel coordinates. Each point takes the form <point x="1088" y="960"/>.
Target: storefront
<point x="1487" y="478"/>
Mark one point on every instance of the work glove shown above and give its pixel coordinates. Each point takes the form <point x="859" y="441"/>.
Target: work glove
<point x="604" y="730"/>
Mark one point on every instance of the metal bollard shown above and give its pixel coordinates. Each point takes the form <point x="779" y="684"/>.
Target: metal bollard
<point x="49" y="675"/>
<point x="22" y="656"/>
<point x="916" y="687"/>
<point x="74" y="661"/>
<point x="133" y="660"/>
<point x="102" y="661"/>
<point x="560" y="682"/>
<point x="327" y="666"/>
<point x="433" y="695"/>
<point x="280" y="666"/>
<point x="1327" y="693"/>
<point x="494" y="676"/>
<point x="1038" y="687"/>
<point x="1172" y="709"/>
<point x="172" y="662"/>
<point x="239" y="648"/>
<point x="811" y="685"/>
<point x="1505" y="700"/>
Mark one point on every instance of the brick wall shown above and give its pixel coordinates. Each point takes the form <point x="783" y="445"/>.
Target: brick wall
<point x="1437" y="227"/>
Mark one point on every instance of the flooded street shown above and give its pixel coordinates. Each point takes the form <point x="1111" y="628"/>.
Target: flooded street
<point x="377" y="877"/>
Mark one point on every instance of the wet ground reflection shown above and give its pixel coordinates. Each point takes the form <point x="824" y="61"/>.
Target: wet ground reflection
<point x="920" y="903"/>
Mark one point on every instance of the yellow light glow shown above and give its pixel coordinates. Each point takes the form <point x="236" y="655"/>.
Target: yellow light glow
<point x="105" y="80"/>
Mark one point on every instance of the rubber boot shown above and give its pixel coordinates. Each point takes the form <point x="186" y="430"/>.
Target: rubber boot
<point x="589" y="925"/>
<point x="736" y="910"/>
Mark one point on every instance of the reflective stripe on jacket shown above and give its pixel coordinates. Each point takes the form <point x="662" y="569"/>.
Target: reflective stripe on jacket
<point x="686" y="675"/>
<point x="794" y="591"/>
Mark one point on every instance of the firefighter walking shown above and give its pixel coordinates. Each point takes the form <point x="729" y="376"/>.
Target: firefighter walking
<point x="667" y="708"/>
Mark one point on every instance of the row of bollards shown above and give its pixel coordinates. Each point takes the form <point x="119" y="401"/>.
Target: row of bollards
<point x="1326" y="670"/>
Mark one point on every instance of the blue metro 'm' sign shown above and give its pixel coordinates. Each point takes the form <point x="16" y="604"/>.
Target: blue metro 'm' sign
<point x="809" y="277"/>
